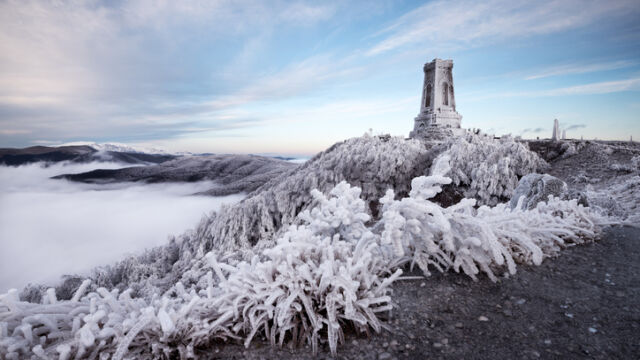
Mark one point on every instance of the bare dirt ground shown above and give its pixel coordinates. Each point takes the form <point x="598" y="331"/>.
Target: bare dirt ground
<point x="583" y="305"/>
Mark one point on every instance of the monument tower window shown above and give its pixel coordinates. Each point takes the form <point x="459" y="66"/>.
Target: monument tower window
<point x="445" y="94"/>
<point x="427" y="96"/>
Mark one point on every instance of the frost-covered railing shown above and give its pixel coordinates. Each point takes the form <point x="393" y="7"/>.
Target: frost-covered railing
<point x="330" y="271"/>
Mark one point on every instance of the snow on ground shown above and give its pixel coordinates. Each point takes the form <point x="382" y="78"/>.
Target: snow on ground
<point x="53" y="227"/>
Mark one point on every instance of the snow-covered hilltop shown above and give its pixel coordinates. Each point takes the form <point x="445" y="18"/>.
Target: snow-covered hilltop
<point x="360" y="211"/>
<point x="316" y="249"/>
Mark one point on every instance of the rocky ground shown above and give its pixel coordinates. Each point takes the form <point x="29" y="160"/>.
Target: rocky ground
<point x="585" y="304"/>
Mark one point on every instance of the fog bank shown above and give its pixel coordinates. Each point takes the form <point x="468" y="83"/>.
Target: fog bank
<point x="53" y="227"/>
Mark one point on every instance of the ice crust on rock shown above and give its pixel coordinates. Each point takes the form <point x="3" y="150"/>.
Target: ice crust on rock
<point x="333" y="269"/>
<point x="535" y="188"/>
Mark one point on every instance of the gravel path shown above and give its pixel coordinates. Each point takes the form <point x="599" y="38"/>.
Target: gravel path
<point x="583" y="304"/>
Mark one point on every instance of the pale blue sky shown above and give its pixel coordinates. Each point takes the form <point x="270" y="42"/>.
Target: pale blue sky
<point x="294" y="77"/>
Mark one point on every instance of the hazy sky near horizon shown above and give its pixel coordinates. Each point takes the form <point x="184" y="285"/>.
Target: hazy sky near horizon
<point x="293" y="77"/>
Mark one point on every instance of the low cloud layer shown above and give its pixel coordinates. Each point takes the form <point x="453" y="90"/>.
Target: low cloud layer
<point x="49" y="228"/>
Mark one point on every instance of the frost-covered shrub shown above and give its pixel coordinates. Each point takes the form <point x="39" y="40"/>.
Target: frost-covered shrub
<point x="332" y="269"/>
<point x="469" y="240"/>
<point x="143" y="273"/>
<point x="373" y="163"/>
<point x="569" y="149"/>
<point x="488" y="169"/>
<point x="320" y="275"/>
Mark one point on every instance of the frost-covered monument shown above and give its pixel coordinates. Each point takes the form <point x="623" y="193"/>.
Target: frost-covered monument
<point x="438" y="117"/>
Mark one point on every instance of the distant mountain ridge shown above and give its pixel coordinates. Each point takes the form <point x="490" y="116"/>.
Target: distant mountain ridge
<point x="76" y="153"/>
<point x="232" y="173"/>
<point x="119" y="147"/>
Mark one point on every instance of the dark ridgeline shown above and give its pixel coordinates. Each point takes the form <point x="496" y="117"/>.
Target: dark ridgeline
<point x="77" y="154"/>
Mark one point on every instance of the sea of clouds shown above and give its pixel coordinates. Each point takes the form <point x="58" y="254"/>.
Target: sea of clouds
<point x="50" y="228"/>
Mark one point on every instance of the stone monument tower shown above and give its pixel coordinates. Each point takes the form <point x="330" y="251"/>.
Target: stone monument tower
<point x="438" y="117"/>
<point x="556" y="130"/>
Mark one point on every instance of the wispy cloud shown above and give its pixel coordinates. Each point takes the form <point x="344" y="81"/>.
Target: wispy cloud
<point x="596" y="88"/>
<point x="293" y="80"/>
<point x="576" y="126"/>
<point x="581" y="69"/>
<point x="77" y="69"/>
<point x="145" y="70"/>
<point x="533" y="131"/>
<point x="14" y="131"/>
<point x="471" y="23"/>
<point x="604" y="87"/>
<point x="307" y="14"/>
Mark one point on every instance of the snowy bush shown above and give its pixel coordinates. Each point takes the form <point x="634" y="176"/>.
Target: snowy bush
<point x="488" y="169"/>
<point x="319" y="275"/>
<point x="373" y="163"/>
<point x="332" y="269"/>
<point x="463" y="238"/>
<point x="569" y="149"/>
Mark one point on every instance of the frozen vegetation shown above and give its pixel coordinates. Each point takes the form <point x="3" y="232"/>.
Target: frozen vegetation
<point x="332" y="269"/>
<point x="308" y="254"/>
<point x="489" y="169"/>
<point x="372" y="163"/>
